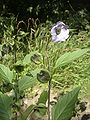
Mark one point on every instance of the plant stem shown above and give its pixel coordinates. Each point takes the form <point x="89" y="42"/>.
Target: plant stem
<point x="16" y="79"/>
<point x="49" y="88"/>
<point x="16" y="94"/>
<point x="49" y="83"/>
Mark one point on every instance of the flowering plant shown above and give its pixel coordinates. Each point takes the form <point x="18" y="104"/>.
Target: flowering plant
<point x="60" y="32"/>
<point x="23" y="77"/>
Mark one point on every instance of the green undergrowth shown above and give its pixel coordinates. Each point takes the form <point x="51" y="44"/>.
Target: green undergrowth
<point x="39" y="39"/>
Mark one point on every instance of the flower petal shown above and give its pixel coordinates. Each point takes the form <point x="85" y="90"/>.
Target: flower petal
<point x="64" y="33"/>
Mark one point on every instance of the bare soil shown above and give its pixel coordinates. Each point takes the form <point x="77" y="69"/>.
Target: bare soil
<point x="82" y="115"/>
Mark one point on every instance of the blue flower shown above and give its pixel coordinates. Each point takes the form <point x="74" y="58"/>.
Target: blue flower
<point x="64" y="32"/>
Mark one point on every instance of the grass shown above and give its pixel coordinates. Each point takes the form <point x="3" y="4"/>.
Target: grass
<point x="74" y="74"/>
<point x="77" y="72"/>
<point x="68" y="77"/>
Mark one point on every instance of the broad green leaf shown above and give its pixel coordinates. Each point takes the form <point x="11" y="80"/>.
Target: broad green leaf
<point x="27" y="112"/>
<point x="70" y="56"/>
<point x="5" y="73"/>
<point x="26" y="82"/>
<point x="34" y="72"/>
<point x="64" y="107"/>
<point x="5" y="107"/>
<point x="43" y="97"/>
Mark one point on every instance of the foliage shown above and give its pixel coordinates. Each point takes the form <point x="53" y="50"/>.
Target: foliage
<point x="26" y="82"/>
<point x="43" y="97"/>
<point x="27" y="112"/>
<point x="6" y="74"/>
<point x="39" y="109"/>
<point x="44" y="9"/>
<point x="64" y="107"/>
<point x="68" y="57"/>
<point x="27" y="55"/>
<point x="5" y="107"/>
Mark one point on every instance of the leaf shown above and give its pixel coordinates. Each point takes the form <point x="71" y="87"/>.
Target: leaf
<point x="43" y="97"/>
<point x="69" y="57"/>
<point x="5" y="107"/>
<point x="64" y="107"/>
<point x="27" y="112"/>
<point x="5" y="73"/>
<point x="34" y="72"/>
<point x="29" y="80"/>
<point x="40" y="111"/>
<point x="26" y="82"/>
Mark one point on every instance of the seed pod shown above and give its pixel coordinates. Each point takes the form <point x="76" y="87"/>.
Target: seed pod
<point x="43" y="76"/>
<point x="36" y="58"/>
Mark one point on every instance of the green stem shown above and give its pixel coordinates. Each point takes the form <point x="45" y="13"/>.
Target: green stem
<point x="49" y="83"/>
<point x="49" y="88"/>
<point x="16" y="79"/>
<point x="16" y="90"/>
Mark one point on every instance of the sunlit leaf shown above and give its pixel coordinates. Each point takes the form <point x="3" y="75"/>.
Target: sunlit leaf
<point x="26" y="82"/>
<point x="5" y="107"/>
<point x="5" y="73"/>
<point x="65" y="105"/>
<point x="43" y="97"/>
<point x="69" y="57"/>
